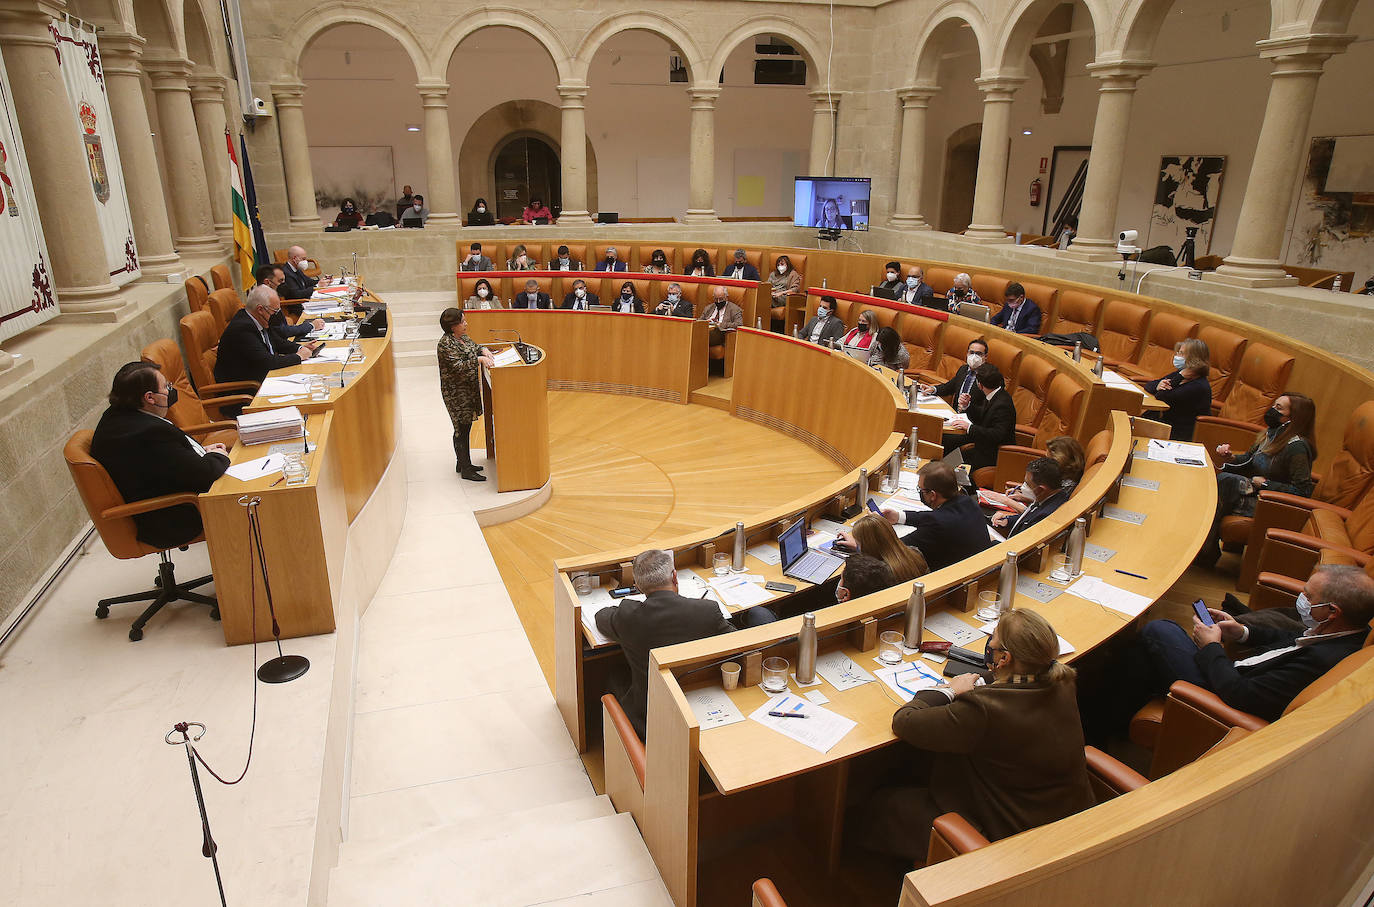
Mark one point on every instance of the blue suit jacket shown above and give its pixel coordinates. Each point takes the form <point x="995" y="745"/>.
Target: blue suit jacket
<point x="949" y="533"/>
<point x="1027" y="321"/>
<point x="604" y="265"/>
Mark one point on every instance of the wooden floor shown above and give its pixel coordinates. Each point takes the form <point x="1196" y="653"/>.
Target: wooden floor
<point x="627" y="471"/>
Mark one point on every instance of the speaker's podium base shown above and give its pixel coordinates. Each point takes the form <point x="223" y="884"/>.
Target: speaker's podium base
<point x="491" y="507"/>
<point x="515" y="415"/>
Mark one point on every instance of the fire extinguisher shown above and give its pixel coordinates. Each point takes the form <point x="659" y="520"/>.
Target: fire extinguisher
<point x="1035" y="193"/>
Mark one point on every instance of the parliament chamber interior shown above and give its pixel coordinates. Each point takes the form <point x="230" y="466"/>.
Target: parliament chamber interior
<point x="724" y="453"/>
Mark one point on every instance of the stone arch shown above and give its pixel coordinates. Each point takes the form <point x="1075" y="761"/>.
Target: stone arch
<point x="493" y="16"/>
<point x="1021" y="25"/>
<point x="201" y="46"/>
<point x="1331" y="17"/>
<point x="944" y="23"/>
<point x="1140" y="21"/>
<point x="320" y="19"/>
<point x="799" y="37"/>
<point x="497" y="127"/>
<point x="637" y="21"/>
<point x="154" y="22"/>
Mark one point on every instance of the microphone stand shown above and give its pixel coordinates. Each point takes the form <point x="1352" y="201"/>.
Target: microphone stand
<point x="208" y="847"/>
<point x="283" y="668"/>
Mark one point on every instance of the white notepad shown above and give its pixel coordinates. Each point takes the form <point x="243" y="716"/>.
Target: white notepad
<point x="821" y="729"/>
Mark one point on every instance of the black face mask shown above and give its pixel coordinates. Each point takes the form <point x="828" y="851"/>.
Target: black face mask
<point x="987" y="656"/>
<point x="171" y="396"/>
<point x="1272" y="417"/>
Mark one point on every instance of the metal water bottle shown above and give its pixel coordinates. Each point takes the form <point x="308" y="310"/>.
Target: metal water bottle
<point x="915" y="624"/>
<point x="1078" y="351"/>
<point x="806" y="650"/>
<point x="861" y="497"/>
<point x="894" y="469"/>
<point x="1098" y="366"/>
<point x="1078" y="540"/>
<point x="737" y="564"/>
<point x="758" y="323"/>
<point x="1336" y="284"/>
<point x="1006" y="584"/>
<point x="913" y="393"/>
<point x="912" y="456"/>
<point x="796" y="331"/>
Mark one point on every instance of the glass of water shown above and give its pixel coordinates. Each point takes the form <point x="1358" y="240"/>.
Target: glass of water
<point x="295" y="469"/>
<point x="1061" y="572"/>
<point x="319" y="388"/>
<point x="720" y="563"/>
<point x="775" y="674"/>
<point x="890" y="647"/>
<point x="990" y="606"/>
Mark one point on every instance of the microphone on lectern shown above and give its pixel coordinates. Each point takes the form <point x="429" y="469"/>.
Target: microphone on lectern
<point x="520" y="346"/>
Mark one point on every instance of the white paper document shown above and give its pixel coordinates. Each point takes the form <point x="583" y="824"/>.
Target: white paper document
<point x="591" y="603"/>
<point x="1112" y="379"/>
<point x="827" y="526"/>
<point x="769" y="554"/>
<point x="817" y="697"/>
<point x="273" y="385"/>
<point x="712" y="707"/>
<point x="256" y="469"/>
<point x="1104" y="593"/>
<point x="821" y="729"/>
<point x="841" y="672"/>
<point x="1177" y="452"/>
<point x="738" y="591"/>
<point x="337" y="354"/>
<point x="509" y="356"/>
<point x="909" y="678"/>
<point x="947" y="626"/>
<point x="1065" y="647"/>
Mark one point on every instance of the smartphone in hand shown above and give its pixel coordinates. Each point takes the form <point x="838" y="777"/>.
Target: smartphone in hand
<point x="1202" y="613"/>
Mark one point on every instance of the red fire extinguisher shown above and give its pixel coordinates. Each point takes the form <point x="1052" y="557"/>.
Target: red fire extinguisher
<point x="1035" y="193"/>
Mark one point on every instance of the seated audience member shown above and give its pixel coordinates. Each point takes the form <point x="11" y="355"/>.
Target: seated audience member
<point x="916" y="291"/>
<point x="701" y="265"/>
<point x="532" y="298"/>
<point x="783" y="282"/>
<point x="480" y="215"/>
<point x="722" y="314"/>
<point x="1044" y="492"/>
<point x="874" y="536"/>
<point x="1065" y="451"/>
<point x="404" y="201"/>
<point x="862" y="575"/>
<point x="740" y="268"/>
<point x="536" y="212"/>
<point x="475" y="261"/>
<point x="295" y="284"/>
<point x="892" y="277"/>
<point x="888" y="350"/>
<point x="987" y="425"/>
<point x="961" y="389"/>
<point x="611" y="262"/>
<point x="1186" y="389"/>
<point x="825" y="326"/>
<point x="564" y="261"/>
<point x="417" y="215"/>
<point x="1006" y="756"/>
<point x="676" y="305"/>
<point x="1019" y="314"/>
<point x="953" y="528"/>
<point x="349" y="216"/>
<point x="147" y="456"/>
<point x="483" y="296"/>
<point x="580" y="299"/>
<point x="960" y="292"/>
<point x="273" y="276"/>
<point x="627" y="302"/>
<point x="1280" y="460"/>
<point x="658" y="263"/>
<point x="859" y="341"/>
<point x="249" y="349"/>
<point x="1069" y="232"/>
<point x="520" y="260"/>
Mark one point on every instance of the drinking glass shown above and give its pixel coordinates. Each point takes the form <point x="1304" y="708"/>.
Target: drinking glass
<point x="729" y="675"/>
<point x="1061" y="572"/>
<point x="775" y="674"/>
<point x="319" y="388"/>
<point x="582" y="583"/>
<point x="295" y="469"/>
<point x="990" y="606"/>
<point x="890" y="647"/>
<point x="720" y="563"/>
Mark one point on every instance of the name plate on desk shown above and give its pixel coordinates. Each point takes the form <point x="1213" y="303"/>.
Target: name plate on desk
<point x="1137" y="482"/>
<point x="1098" y="553"/>
<point x="1031" y="587"/>
<point x="1112" y="512"/>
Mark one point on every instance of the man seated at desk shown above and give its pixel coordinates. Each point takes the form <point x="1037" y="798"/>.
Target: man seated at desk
<point x="475" y="261"/>
<point x="740" y="268"/>
<point x="273" y="276"/>
<point x="295" y="284"/>
<point x="722" y="314"/>
<point x="986" y="426"/>
<point x="961" y="388"/>
<point x="580" y="299"/>
<point x="564" y="261"/>
<point x="676" y="306"/>
<point x="953" y="528"/>
<point x="1018" y="314"/>
<point x="1044" y="486"/>
<point x="825" y="326"/>
<point x="863" y="575"/>
<point x="249" y="348"/>
<point x="532" y="298"/>
<point x="916" y="291"/>
<point x="147" y="456"/>
<point x="611" y="262"/>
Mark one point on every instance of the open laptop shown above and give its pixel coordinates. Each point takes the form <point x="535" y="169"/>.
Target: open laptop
<point x="883" y="293"/>
<point x="975" y="310"/>
<point x="800" y="560"/>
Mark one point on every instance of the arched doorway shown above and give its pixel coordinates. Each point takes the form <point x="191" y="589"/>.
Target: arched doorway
<point x="526" y="167"/>
<point x="961" y="175"/>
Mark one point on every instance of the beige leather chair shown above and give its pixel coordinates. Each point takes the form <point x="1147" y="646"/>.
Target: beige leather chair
<point x="765" y="894"/>
<point x="221" y="277"/>
<point x="197" y="293"/>
<point x="191" y="414"/>
<point x="223" y="304"/>
<point x="1260" y="380"/>
<point x="199" y="338"/>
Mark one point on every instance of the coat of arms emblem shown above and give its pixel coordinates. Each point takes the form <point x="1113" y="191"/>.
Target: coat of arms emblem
<point x="7" y="199"/>
<point x="95" y="155"/>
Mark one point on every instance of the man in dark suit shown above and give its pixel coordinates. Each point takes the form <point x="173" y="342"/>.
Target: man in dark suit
<point x="580" y="298"/>
<point x="961" y="389"/>
<point x="916" y="291"/>
<point x="295" y="284"/>
<point x="740" y="268"/>
<point x="664" y="618"/>
<point x="147" y="456"/>
<point x="825" y="325"/>
<point x="676" y="305"/>
<point x="987" y="425"/>
<point x="611" y="262"/>
<point x="565" y="261"/>
<point x="953" y="528"/>
<point x="1044" y="484"/>
<point x="863" y="575"/>
<point x="1018" y="314"/>
<point x="531" y="298"/>
<point x="475" y="261"/>
<point x="273" y="276"/>
<point x="249" y="348"/>
<point x="722" y="314"/>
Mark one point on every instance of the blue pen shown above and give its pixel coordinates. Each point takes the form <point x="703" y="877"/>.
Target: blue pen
<point x="1129" y="573"/>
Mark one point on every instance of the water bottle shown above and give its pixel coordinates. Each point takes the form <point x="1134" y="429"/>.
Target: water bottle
<point x="1078" y="351"/>
<point x="1078" y="540"/>
<point x="915" y="626"/>
<point x="806" y="650"/>
<point x="1006" y="584"/>
<point x="861" y="497"/>
<point x="894" y="468"/>
<point x="912" y="393"/>
<point x="737" y="563"/>
<point x="796" y="331"/>
<point x="1336" y="284"/>
<point x="912" y="458"/>
<point x="758" y="323"/>
<point x="1098" y="366"/>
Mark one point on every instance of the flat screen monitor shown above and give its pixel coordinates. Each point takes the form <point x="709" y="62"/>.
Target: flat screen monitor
<point x="831" y="202"/>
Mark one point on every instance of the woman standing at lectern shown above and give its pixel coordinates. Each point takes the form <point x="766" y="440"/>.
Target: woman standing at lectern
<point x="459" y="374"/>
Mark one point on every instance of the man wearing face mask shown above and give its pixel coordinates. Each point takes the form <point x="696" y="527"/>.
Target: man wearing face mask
<point x="916" y="291"/>
<point x="953" y="528"/>
<point x="961" y="388"/>
<point x="1043" y="486"/>
<point x="580" y="299"/>
<point x="417" y="214"/>
<point x="825" y="327"/>
<point x="892" y="278"/>
<point x="1018" y="314"/>
<point x="988" y="425"/>
<point x="565" y="261"/>
<point x="611" y="262"/>
<point x="675" y="305"/>
<point x="532" y="298"/>
<point x="475" y="261"/>
<point x="295" y="283"/>
<point x="740" y="268"/>
<point x="249" y="349"/>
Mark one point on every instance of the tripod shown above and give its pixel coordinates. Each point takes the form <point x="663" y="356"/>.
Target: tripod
<point x="1187" y="252"/>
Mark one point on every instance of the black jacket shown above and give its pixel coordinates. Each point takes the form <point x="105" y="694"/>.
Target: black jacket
<point x="636" y="304"/>
<point x="1037" y="512"/>
<point x="521" y="301"/>
<point x="949" y="533"/>
<point x="146" y="457"/>
<point x="296" y="285"/>
<point x="662" y="619"/>
<point x="953" y="386"/>
<point x="683" y="309"/>
<point x="992" y="424"/>
<point x="243" y="356"/>
<point x="290" y="331"/>
<point x="1266" y="689"/>
<point x="571" y="300"/>
<point x="1187" y="400"/>
<point x="750" y="272"/>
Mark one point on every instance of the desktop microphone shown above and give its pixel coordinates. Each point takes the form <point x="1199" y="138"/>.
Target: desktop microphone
<point x="341" y="372"/>
<point x="520" y="345"/>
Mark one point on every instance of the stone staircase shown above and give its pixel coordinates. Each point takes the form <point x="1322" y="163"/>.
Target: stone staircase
<point x="415" y="325"/>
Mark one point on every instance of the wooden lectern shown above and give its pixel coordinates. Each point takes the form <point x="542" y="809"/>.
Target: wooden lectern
<point x="515" y="414"/>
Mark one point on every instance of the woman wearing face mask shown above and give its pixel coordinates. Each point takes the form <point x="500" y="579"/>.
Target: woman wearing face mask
<point x="536" y="212"/>
<point x="874" y="536"/>
<point x="960" y="291"/>
<point x="783" y="282"/>
<point x="520" y="260"/>
<point x="628" y="302"/>
<point x="459" y="373"/>
<point x="859" y="341"/>
<point x="892" y="277"/>
<point x="1186" y="389"/>
<point x="658" y="263"/>
<point x="1280" y="460"/>
<point x="483" y="297"/>
<point x="1006" y="755"/>
<point x="480" y="215"/>
<point x="701" y="265"/>
<point x="889" y="351"/>
<point x="1065" y="451"/>
<point x="349" y="216"/>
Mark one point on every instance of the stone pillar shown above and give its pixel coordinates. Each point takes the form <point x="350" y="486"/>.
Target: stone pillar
<point x="119" y="54"/>
<point x="1096" y="239"/>
<point x="195" y="226"/>
<point x="57" y="161"/>
<point x="911" y="161"/>
<point x="574" y="141"/>
<point x="1279" y="153"/>
<point x="825" y="113"/>
<point x="701" y="199"/>
<point x="440" y="195"/>
<point x="207" y="100"/>
<point x="295" y="155"/>
<point x="990" y="191"/>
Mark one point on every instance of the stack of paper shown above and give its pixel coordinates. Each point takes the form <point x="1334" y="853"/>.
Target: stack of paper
<point x="256" y="469"/>
<point x="908" y="678"/>
<point x="284" y="385"/>
<point x="821" y="729"/>
<point x="738" y="591"/>
<point x="1112" y="379"/>
<point x="271" y="425"/>
<point x="509" y="356"/>
<point x="1177" y="452"/>
<point x="1103" y="593"/>
<point x="337" y="354"/>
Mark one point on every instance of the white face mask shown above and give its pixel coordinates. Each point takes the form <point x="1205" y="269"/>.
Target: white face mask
<point x="1025" y="491"/>
<point x="912" y="282"/>
<point x="562" y="261"/>
<point x="822" y="312"/>
<point x="473" y="256"/>
<point x="532" y="294"/>
<point x="891" y="275"/>
<point x="416" y="206"/>
<point x="580" y="293"/>
<point x="1304" y="606"/>
<point x="673" y="298"/>
<point x="482" y="292"/>
<point x="782" y="269"/>
<point x="481" y="209"/>
<point x="974" y="360"/>
<point x="1179" y="362"/>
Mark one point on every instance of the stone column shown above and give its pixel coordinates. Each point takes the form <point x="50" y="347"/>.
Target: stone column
<point x="119" y="54"/>
<point x="295" y="155"/>
<point x="207" y="100"/>
<point x="440" y="195"/>
<point x="912" y="156"/>
<point x="1279" y="153"/>
<point x="574" y="142"/>
<point x="1096" y="239"/>
<point x="701" y="199"/>
<point x="825" y="113"/>
<point x="195" y="227"/>
<point x="989" y="193"/>
<point x="57" y="161"/>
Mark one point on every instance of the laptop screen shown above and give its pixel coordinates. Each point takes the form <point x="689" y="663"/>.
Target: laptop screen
<point x="792" y="543"/>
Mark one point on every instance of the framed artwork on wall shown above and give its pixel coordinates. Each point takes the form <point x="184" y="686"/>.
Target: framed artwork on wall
<point x="1186" y="195"/>
<point x="1064" y="194"/>
<point x="364" y="173"/>
<point x="1334" y="224"/>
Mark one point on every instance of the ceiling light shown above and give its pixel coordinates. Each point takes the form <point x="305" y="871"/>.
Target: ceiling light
<point x="415" y="127"/>
<point x="1025" y="132"/>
